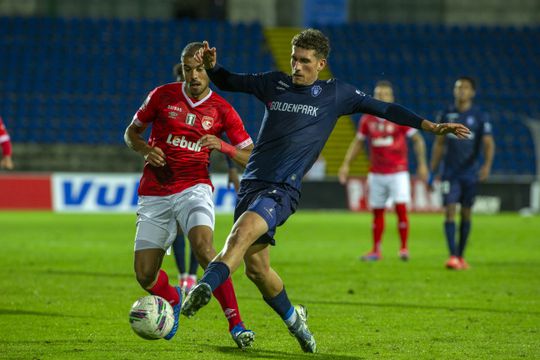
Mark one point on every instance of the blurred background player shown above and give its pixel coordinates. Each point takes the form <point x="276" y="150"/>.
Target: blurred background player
<point x="175" y="189"/>
<point x="461" y="170"/>
<point x="5" y="143"/>
<point x="187" y="279"/>
<point x="388" y="177"/>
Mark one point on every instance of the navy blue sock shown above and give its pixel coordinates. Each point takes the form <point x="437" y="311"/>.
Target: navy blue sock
<point x="215" y="274"/>
<point x="464" y="230"/>
<point x="450" y="232"/>
<point x="193" y="264"/>
<point x="281" y="304"/>
<point x="179" y="249"/>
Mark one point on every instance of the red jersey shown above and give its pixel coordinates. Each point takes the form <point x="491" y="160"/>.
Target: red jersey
<point x="178" y="123"/>
<point x="5" y="141"/>
<point x="387" y="144"/>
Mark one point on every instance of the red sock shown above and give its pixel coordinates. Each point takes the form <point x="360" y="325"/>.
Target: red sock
<point x="403" y="224"/>
<point x="378" y="229"/>
<point x="164" y="289"/>
<point x="227" y="298"/>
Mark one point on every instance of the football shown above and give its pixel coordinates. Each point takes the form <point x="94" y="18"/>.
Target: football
<point x="151" y="317"/>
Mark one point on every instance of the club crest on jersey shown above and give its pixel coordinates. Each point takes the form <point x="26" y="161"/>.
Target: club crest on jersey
<point x="316" y="90"/>
<point x="207" y="122"/>
<point x="190" y="119"/>
<point x="470" y="120"/>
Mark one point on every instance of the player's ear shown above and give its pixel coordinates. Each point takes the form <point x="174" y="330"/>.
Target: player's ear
<point x="321" y="64"/>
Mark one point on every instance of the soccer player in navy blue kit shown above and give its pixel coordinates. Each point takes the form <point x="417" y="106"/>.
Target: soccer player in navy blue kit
<point x="461" y="166"/>
<point x="301" y="112"/>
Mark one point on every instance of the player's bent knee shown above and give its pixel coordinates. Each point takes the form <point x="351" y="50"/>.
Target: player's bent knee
<point x="257" y="274"/>
<point x="145" y="278"/>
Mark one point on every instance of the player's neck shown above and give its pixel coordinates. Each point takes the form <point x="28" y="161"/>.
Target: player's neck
<point x="463" y="106"/>
<point x="198" y="97"/>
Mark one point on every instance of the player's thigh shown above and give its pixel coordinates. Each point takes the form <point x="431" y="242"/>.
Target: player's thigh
<point x="378" y="187"/>
<point x="195" y="207"/>
<point x="451" y="191"/>
<point x="469" y="188"/>
<point x="156" y="225"/>
<point x="400" y="188"/>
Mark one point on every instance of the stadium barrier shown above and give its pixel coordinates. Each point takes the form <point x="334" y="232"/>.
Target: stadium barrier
<point x="107" y="192"/>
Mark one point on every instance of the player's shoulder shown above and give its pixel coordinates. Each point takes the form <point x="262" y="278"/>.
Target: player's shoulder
<point x="169" y="87"/>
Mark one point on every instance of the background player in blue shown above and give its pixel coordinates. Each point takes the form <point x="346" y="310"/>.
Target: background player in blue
<point x="301" y="112"/>
<point x="461" y="170"/>
<point x="187" y="279"/>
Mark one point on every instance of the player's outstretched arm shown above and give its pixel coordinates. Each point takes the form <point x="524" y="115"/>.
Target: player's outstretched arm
<point x="460" y="130"/>
<point x="134" y="140"/>
<point x="239" y="156"/>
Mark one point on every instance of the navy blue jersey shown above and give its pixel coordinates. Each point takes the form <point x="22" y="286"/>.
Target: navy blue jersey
<point x="462" y="156"/>
<point x="299" y="119"/>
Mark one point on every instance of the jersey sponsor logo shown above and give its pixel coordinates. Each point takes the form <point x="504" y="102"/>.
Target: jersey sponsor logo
<point x="183" y="143"/>
<point x="296" y="108"/>
<point x="284" y="84"/>
<point x="207" y="122"/>
<point x="173" y="115"/>
<point x="316" y="90"/>
<point x="190" y="119"/>
<point x="175" y="108"/>
<point x="382" y="141"/>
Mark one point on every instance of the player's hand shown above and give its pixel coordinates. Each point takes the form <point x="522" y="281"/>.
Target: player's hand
<point x="422" y="172"/>
<point x="343" y="174"/>
<point x="154" y="156"/>
<point x="460" y="130"/>
<point x="207" y="55"/>
<point x="483" y="174"/>
<point x="210" y="141"/>
<point x="234" y="179"/>
<point x="7" y="163"/>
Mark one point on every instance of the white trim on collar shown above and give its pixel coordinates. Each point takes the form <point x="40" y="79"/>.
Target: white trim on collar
<point x="191" y="103"/>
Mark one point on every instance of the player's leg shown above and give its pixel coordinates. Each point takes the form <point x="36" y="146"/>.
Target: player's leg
<point x="378" y="195"/>
<point x="258" y="270"/>
<point x="451" y="195"/>
<point x="155" y="228"/>
<point x="191" y="278"/>
<point x="179" y="251"/>
<point x="467" y="201"/>
<point x="401" y="193"/>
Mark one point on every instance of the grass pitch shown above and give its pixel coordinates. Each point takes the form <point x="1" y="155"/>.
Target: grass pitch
<point x="67" y="285"/>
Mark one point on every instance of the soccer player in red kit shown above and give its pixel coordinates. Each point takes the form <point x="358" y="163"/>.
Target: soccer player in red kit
<point x="388" y="176"/>
<point x="175" y="187"/>
<point x="5" y="143"/>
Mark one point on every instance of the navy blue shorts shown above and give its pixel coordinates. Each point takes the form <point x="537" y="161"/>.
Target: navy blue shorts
<point x="274" y="202"/>
<point x="460" y="190"/>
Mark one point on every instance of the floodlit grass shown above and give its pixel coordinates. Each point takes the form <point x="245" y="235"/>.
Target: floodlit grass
<point x="67" y="285"/>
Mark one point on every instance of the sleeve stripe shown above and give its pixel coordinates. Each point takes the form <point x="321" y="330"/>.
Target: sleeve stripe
<point x="4" y="138"/>
<point x="137" y="122"/>
<point x="411" y="132"/>
<point x="244" y="143"/>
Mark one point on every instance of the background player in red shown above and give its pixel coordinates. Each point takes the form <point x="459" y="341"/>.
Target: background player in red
<point x="187" y="276"/>
<point x="175" y="188"/>
<point x="388" y="177"/>
<point x="5" y="143"/>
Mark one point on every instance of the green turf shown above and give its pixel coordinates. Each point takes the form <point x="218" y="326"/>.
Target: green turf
<point x="67" y="285"/>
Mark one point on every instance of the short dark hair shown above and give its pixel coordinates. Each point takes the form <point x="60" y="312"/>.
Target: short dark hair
<point x="469" y="79"/>
<point x="384" y="83"/>
<point x="190" y="49"/>
<point x="313" y="39"/>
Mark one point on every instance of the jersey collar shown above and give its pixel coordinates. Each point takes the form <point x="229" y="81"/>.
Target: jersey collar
<point x="191" y="103"/>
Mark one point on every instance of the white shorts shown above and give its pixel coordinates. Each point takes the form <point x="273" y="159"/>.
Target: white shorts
<point x="386" y="189"/>
<point x="159" y="216"/>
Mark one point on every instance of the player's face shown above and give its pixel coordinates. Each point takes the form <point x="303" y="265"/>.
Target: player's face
<point x="463" y="91"/>
<point x="305" y="66"/>
<point x="384" y="93"/>
<point x="195" y="77"/>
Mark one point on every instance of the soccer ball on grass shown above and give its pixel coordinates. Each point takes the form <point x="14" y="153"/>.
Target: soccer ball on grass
<point x="151" y="317"/>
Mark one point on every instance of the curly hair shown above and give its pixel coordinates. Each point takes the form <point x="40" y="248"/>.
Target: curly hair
<point x="313" y="39"/>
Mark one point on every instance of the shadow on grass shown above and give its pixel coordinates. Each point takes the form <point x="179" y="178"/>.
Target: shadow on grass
<point x="272" y="354"/>
<point x="36" y="313"/>
<point x="87" y="273"/>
